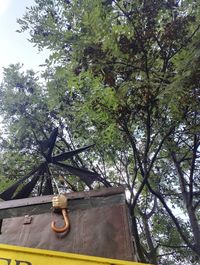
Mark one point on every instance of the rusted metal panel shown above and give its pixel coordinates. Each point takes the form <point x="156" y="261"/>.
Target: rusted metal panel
<point x="42" y="204"/>
<point x="73" y="204"/>
<point x="99" y="226"/>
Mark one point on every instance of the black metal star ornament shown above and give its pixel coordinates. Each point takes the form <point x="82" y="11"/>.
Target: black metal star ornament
<point x="42" y="172"/>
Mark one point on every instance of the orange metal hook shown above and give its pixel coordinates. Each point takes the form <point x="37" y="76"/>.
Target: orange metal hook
<point x="65" y="227"/>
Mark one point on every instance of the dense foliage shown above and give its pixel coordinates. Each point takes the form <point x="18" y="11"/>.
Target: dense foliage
<point x="123" y="75"/>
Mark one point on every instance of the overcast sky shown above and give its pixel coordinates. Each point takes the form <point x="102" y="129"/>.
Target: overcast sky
<point x="14" y="47"/>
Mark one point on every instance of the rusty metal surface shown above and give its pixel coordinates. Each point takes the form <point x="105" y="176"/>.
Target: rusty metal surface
<point x="73" y="205"/>
<point x="98" y="229"/>
<point x="27" y="203"/>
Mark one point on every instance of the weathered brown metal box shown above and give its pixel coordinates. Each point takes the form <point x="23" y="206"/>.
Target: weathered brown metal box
<point x="99" y="224"/>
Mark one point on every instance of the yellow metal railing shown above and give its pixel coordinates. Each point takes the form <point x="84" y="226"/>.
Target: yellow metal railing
<point x="14" y="255"/>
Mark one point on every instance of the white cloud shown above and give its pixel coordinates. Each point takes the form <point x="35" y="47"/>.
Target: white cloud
<point x="4" y="4"/>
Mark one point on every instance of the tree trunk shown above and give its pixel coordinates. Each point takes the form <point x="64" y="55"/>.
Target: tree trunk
<point x="152" y="249"/>
<point x="195" y="227"/>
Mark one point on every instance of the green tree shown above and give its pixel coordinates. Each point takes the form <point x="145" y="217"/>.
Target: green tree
<point x="27" y="120"/>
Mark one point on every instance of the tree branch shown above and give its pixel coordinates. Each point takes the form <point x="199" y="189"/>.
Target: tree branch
<point x="175" y="221"/>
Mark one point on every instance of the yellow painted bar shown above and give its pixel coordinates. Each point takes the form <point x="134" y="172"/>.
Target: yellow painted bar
<point x="14" y="255"/>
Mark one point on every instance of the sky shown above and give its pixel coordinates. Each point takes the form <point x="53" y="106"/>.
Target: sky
<point x="15" y="47"/>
